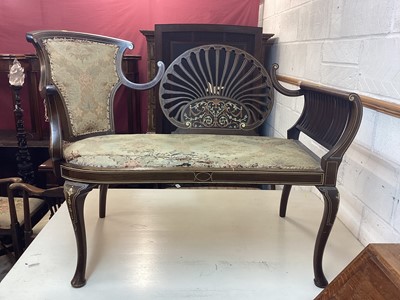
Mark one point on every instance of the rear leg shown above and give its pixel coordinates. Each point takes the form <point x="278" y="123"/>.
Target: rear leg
<point x="284" y="200"/>
<point x="102" y="200"/>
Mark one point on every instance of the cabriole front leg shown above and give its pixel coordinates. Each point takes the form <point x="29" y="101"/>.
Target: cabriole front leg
<point x="75" y="195"/>
<point x="331" y="205"/>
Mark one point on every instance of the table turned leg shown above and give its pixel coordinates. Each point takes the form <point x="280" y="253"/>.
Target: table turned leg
<point x="75" y="194"/>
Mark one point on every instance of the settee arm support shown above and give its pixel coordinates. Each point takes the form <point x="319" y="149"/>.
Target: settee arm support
<point x="10" y="180"/>
<point x="331" y="161"/>
<point x="279" y="87"/>
<point x="331" y="117"/>
<point x="147" y="85"/>
<point x="36" y="191"/>
<point x="55" y="143"/>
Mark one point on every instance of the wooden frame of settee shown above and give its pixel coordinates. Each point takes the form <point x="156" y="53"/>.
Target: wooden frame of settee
<point x="330" y="117"/>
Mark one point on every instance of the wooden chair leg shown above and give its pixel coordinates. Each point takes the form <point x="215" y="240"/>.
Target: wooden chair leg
<point x="284" y="200"/>
<point x="102" y="200"/>
<point x="16" y="243"/>
<point x="28" y="232"/>
<point x="75" y="195"/>
<point x="331" y="206"/>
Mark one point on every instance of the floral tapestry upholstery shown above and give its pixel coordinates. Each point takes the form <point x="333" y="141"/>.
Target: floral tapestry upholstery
<point x="5" y="220"/>
<point x="85" y="74"/>
<point x="190" y="150"/>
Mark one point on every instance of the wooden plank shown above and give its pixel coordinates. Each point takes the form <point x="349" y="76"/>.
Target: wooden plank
<point x="382" y="106"/>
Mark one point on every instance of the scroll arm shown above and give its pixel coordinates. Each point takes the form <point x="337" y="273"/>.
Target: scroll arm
<point x="147" y="85"/>
<point x="279" y="87"/>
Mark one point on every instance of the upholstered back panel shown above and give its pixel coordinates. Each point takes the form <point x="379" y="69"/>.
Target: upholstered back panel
<point x="84" y="72"/>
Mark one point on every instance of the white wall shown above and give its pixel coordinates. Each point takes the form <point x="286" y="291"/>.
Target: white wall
<point x="352" y="45"/>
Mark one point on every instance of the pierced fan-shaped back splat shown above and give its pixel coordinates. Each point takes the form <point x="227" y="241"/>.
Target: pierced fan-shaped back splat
<point x="216" y="87"/>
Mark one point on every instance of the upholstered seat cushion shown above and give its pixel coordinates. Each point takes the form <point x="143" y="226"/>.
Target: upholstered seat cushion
<point x="5" y="221"/>
<point x="190" y="150"/>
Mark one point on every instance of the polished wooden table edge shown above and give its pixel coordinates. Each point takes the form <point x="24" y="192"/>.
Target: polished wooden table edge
<point x="385" y="255"/>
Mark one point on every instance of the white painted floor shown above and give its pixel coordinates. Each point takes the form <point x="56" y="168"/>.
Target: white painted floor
<point x="184" y="244"/>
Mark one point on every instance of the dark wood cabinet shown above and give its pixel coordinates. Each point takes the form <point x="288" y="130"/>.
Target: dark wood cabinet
<point x="373" y="274"/>
<point x="168" y="41"/>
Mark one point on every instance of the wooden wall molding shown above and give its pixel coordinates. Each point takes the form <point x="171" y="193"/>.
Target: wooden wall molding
<point x="385" y="107"/>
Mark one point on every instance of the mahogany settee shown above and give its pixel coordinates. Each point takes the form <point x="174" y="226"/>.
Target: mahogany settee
<point x="217" y="96"/>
